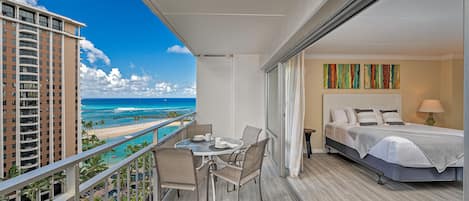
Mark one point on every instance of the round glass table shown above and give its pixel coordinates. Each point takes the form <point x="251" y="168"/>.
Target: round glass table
<point x="207" y="148"/>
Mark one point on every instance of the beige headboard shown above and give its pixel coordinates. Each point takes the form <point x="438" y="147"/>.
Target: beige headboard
<point x="338" y="101"/>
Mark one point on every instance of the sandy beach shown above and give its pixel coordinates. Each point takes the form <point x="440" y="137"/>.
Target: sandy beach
<point x="104" y="133"/>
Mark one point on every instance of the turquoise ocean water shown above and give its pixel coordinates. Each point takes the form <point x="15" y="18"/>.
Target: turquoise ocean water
<point x="120" y="112"/>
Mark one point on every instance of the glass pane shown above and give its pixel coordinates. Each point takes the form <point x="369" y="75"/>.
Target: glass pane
<point x="273" y="109"/>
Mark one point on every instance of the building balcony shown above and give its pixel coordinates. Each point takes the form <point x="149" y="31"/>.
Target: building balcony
<point x="29" y="115"/>
<point x="29" y="140"/>
<point x="32" y="78"/>
<point x="29" y="120"/>
<point x="26" y="34"/>
<point x="29" y="124"/>
<point x="30" y="40"/>
<point x="28" y="43"/>
<point x="28" y="73"/>
<point x="26" y="154"/>
<point x="29" y="103"/>
<point x="33" y="94"/>
<point x="29" y="107"/>
<point x="32" y="48"/>
<point x="29" y="165"/>
<point x="27" y="112"/>
<point x="112" y="183"/>
<point x="24" y="29"/>
<point x="29" y="132"/>
<point x="29" y="148"/>
<point x="29" y="157"/>
<point x="34" y="57"/>
<point x="27" y="28"/>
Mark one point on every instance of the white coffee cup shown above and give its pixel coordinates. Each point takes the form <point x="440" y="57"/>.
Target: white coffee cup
<point x="208" y="136"/>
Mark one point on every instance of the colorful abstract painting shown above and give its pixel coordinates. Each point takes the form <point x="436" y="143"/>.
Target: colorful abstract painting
<point x="342" y="76"/>
<point x="382" y="76"/>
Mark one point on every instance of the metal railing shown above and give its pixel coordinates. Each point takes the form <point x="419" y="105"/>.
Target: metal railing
<point x="126" y="175"/>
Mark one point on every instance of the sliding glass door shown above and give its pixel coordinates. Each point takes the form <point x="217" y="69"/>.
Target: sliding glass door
<point x="275" y="123"/>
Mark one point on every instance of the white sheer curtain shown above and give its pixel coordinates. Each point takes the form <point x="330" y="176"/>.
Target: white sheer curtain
<point x="294" y="113"/>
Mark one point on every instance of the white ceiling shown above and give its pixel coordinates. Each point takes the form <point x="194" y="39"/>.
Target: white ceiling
<point x="399" y="27"/>
<point x="222" y="27"/>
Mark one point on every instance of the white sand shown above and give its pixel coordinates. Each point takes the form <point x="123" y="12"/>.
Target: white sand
<point x="103" y="133"/>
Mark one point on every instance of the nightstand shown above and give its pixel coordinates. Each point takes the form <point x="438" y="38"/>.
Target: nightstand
<point x="308" y="133"/>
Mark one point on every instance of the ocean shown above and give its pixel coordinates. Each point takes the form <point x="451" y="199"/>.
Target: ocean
<point x="121" y="112"/>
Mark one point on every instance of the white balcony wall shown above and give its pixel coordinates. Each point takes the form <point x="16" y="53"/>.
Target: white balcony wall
<point x="230" y="93"/>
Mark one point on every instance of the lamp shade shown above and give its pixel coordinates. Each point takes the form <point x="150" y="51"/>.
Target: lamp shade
<point x="431" y="105"/>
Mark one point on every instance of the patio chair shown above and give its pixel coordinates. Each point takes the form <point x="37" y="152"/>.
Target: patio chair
<point x="250" y="136"/>
<point x="198" y="129"/>
<point x="251" y="166"/>
<point x="176" y="169"/>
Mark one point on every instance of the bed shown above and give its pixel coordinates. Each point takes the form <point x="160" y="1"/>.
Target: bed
<point x="392" y="157"/>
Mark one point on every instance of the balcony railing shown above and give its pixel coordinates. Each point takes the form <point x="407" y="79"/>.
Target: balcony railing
<point x="126" y="174"/>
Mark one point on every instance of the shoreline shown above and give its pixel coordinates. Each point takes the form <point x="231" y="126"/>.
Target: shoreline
<point x="117" y="131"/>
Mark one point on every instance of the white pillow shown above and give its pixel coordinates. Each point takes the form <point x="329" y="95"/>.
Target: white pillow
<point x="392" y="117"/>
<point x="339" y="116"/>
<point x="379" y="117"/>
<point x="366" y="117"/>
<point x="352" y="117"/>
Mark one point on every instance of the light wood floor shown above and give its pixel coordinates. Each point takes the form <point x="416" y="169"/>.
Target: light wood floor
<point x="334" y="178"/>
<point x="273" y="188"/>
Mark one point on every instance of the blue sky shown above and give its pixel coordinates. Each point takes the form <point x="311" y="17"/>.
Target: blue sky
<point x="128" y="51"/>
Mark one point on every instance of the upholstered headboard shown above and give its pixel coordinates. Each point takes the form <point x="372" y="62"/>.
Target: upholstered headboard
<point x="338" y="101"/>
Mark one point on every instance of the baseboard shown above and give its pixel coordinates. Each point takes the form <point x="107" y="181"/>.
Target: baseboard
<point x="318" y="151"/>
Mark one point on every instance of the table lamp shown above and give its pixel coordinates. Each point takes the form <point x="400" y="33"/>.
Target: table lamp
<point x="431" y="106"/>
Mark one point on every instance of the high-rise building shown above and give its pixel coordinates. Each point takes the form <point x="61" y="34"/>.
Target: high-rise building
<point x="40" y="79"/>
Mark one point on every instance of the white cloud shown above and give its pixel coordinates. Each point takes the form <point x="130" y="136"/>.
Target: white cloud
<point x="33" y="3"/>
<point x="97" y="83"/>
<point x="190" y="91"/>
<point x="93" y="54"/>
<point x="178" y="50"/>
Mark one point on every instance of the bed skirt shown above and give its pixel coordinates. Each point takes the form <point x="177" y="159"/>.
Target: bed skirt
<point x="396" y="172"/>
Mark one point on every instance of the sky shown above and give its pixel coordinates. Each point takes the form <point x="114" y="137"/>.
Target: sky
<point x="127" y="51"/>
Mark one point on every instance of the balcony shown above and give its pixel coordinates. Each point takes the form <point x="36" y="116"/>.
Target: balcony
<point x="28" y="103"/>
<point x="29" y="94"/>
<point x="28" y="154"/>
<point x="28" y="120"/>
<point x="30" y="44"/>
<point x="28" y="166"/>
<point x="26" y="112"/>
<point x="29" y="157"/>
<point x="27" y="35"/>
<point x="27" y="27"/>
<point x="29" y="85"/>
<point x="29" y="139"/>
<point x="111" y="183"/>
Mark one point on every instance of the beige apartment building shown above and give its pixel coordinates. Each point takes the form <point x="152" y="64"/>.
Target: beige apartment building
<point x="40" y="75"/>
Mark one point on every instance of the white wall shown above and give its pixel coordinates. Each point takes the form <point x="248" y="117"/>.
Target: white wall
<point x="230" y="93"/>
<point x="249" y="93"/>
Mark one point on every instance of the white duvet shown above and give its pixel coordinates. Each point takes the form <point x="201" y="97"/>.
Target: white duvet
<point x="392" y="149"/>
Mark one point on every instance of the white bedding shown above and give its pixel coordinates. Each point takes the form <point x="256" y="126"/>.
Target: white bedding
<point x="393" y="149"/>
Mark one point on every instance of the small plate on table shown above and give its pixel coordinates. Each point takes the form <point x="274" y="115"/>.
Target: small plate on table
<point x="216" y="148"/>
<point x="198" y="138"/>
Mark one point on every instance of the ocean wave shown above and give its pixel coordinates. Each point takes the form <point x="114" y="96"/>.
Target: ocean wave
<point x="133" y="109"/>
<point x="127" y="109"/>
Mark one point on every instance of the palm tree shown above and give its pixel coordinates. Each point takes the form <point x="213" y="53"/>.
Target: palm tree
<point x="143" y="163"/>
<point x="32" y="191"/>
<point x="172" y="114"/>
<point x="13" y="172"/>
<point x="92" y="167"/>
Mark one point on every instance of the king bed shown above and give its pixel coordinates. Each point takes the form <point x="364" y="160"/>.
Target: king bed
<point x="395" y="150"/>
